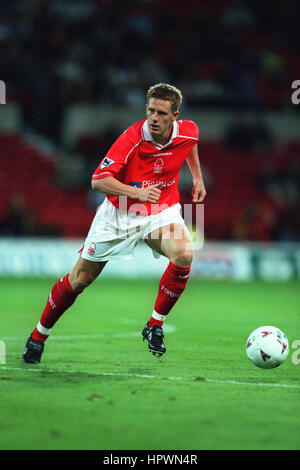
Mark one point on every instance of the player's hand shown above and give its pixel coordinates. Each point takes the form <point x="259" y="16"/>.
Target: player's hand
<point x="149" y="194"/>
<point x="199" y="191"/>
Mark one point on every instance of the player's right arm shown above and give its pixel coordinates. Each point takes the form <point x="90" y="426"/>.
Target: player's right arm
<point x="113" y="187"/>
<point x="107" y="176"/>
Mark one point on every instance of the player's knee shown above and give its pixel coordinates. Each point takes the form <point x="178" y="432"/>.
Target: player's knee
<point x="183" y="257"/>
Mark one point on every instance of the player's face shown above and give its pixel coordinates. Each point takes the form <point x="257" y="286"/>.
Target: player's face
<point x="160" y="118"/>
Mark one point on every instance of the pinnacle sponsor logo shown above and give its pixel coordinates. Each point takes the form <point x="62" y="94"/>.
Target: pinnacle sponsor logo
<point x="146" y="183"/>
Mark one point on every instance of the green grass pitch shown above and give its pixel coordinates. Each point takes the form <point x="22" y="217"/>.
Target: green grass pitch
<point x="98" y="387"/>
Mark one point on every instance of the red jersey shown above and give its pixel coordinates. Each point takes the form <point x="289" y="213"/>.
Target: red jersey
<point x="137" y="160"/>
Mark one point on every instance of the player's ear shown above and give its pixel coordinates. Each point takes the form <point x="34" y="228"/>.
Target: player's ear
<point x="175" y="115"/>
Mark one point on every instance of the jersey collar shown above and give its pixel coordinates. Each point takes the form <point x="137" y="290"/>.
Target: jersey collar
<point x="148" y="137"/>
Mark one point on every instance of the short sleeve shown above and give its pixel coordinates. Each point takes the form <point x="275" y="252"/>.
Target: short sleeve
<point x="117" y="156"/>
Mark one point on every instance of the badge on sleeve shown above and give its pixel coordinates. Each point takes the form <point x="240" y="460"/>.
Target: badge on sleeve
<point x="106" y="162"/>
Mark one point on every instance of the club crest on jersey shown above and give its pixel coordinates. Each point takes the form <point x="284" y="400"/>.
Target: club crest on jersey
<point x="106" y="162"/>
<point x="92" y="249"/>
<point x="158" y="166"/>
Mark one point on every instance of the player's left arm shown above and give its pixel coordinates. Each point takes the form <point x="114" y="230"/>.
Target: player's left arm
<point x="199" y="191"/>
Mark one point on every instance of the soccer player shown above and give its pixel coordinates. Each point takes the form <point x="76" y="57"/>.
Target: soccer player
<point x="139" y="176"/>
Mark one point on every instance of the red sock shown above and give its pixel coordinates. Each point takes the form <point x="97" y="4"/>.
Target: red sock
<point x="60" y="299"/>
<point x="154" y="321"/>
<point x="171" y="286"/>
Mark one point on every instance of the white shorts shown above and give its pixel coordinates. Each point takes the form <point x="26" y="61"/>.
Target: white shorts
<point x="114" y="233"/>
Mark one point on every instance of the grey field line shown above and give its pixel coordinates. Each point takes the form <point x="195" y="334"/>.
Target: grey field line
<point x="147" y="376"/>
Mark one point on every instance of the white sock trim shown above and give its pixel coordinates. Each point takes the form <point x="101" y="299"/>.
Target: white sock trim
<point x="158" y="316"/>
<point x="41" y="329"/>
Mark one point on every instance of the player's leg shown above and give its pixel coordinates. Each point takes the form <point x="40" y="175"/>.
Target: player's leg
<point x="64" y="293"/>
<point x="84" y="273"/>
<point x="62" y="296"/>
<point x="174" y="242"/>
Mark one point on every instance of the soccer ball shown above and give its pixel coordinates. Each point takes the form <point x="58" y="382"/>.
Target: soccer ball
<point x="267" y="347"/>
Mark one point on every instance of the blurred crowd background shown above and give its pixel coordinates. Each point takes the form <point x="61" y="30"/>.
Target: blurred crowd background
<point x="73" y="64"/>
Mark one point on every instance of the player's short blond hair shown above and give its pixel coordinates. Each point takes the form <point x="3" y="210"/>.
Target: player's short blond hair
<point x="163" y="91"/>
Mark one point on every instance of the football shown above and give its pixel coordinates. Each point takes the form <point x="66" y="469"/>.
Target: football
<point x="267" y="347"/>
